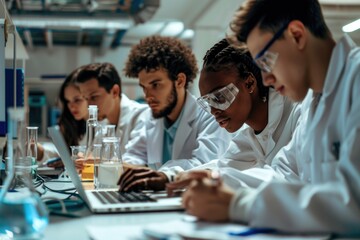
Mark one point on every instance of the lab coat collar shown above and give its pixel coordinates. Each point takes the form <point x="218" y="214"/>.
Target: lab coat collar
<point x="337" y="64"/>
<point x="124" y="110"/>
<point x="335" y="70"/>
<point x="185" y="127"/>
<point x="156" y="127"/>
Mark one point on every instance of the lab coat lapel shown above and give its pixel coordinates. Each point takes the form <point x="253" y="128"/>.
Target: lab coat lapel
<point x="185" y="127"/>
<point x="276" y="109"/>
<point x="331" y="81"/>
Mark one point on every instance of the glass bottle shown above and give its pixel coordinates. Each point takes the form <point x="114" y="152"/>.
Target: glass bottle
<point x="23" y="214"/>
<point x="31" y="148"/>
<point x="93" y="137"/>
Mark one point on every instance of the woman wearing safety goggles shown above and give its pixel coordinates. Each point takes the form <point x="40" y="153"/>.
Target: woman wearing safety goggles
<point x="263" y="120"/>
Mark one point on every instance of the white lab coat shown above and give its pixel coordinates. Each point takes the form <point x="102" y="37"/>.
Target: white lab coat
<point x="198" y="139"/>
<point x="322" y="162"/>
<point x="248" y="150"/>
<point x="131" y="120"/>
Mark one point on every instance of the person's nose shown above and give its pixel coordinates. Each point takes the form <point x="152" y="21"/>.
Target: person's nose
<point x="215" y="111"/>
<point x="72" y="106"/>
<point x="268" y="79"/>
<point x="147" y="94"/>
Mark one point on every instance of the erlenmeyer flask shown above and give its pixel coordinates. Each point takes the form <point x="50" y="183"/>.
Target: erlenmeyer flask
<point x="23" y="214"/>
<point x="31" y="148"/>
<point x="110" y="167"/>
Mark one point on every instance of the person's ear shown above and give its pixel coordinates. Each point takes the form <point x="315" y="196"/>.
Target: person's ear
<point x="115" y="90"/>
<point x="250" y="83"/>
<point x="181" y="80"/>
<point x="298" y="33"/>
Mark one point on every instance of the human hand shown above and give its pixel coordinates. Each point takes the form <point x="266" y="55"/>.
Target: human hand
<point x="79" y="164"/>
<point x="56" y="164"/>
<point x="127" y="166"/>
<point x="142" y="178"/>
<point x="208" y="201"/>
<point x="183" y="180"/>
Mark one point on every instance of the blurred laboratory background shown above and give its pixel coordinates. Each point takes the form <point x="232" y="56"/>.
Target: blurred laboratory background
<point x="56" y="36"/>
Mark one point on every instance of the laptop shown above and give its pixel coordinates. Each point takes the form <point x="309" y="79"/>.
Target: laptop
<point x="110" y="200"/>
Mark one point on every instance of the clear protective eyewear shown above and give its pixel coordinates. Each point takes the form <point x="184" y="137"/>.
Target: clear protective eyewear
<point x="220" y="99"/>
<point x="265" y="59"/>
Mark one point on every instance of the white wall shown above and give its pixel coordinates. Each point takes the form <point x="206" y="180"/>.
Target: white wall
<point x="62" y="60"/>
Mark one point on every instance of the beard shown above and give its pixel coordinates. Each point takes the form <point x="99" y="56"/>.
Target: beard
<point x="171" y="103"/>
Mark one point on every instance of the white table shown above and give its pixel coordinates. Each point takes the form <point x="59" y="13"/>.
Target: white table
<point x="62" y="228"/>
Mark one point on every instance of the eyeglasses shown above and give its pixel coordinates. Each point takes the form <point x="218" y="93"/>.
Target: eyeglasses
<point x="219" y="99"/>
<point x="265" y="59"/>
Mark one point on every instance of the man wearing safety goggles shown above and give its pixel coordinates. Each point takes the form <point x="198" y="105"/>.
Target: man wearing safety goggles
<point x="320" y="165"/>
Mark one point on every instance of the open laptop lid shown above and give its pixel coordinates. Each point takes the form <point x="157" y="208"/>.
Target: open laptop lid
<point x="162" y="204"/>
<point x="63" y="150"/>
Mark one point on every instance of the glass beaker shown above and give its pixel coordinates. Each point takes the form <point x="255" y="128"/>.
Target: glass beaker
<point x="31" y="148"/>
<point x="78" y="155"/>
<point x="23" y="214"/>
<point x="110" y="167"/>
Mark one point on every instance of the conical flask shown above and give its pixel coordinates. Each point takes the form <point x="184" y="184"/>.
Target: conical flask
<point x="23" y="214"/>
<point x="31" y="148"/>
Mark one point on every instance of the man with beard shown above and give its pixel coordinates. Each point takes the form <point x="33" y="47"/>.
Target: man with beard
<point x="100" y="84"/>
<point x="179" y="134"/>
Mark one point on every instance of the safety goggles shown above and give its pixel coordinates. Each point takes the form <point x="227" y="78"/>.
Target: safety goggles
<point x="265" y="59"/>
<point x="219" y="99"/>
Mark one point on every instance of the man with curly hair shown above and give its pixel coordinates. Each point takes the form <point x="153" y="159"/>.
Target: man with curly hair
<point x="179" y="134"/>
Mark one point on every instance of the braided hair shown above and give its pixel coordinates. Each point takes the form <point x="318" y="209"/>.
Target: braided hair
<point x="223" y="56"/>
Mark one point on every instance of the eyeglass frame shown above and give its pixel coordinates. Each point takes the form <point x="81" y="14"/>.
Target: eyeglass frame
<point x="276" y="36"/>
<point x="231" y="87"/>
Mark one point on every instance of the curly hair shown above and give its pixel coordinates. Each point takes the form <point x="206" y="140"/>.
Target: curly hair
<point x="73" y="130"/>
<point x="224" y="56"/>
<point x="155" y="52"/>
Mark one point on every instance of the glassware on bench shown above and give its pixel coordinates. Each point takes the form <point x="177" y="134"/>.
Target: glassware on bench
<point x="77" y="152"/>
<point x="23" y="214"/>
<point x="109" y="130"/>
<point x="93" y="137"/>
<point x="31" y="148"/>
<point x="110" y="167"/>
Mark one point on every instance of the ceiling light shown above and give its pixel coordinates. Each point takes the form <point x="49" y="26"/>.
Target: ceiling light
<point x="353" y="26"/>
<point x="188" y="34"/>
<point x="172" y="29"/>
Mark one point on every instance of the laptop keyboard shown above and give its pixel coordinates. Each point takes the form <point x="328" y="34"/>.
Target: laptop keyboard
<point x="114" y="197"/>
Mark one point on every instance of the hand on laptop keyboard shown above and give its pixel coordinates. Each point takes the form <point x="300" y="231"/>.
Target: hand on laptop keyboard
<point x="142" y="178"/>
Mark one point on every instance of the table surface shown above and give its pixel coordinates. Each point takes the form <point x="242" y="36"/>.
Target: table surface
<point x="76" y="228"/>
